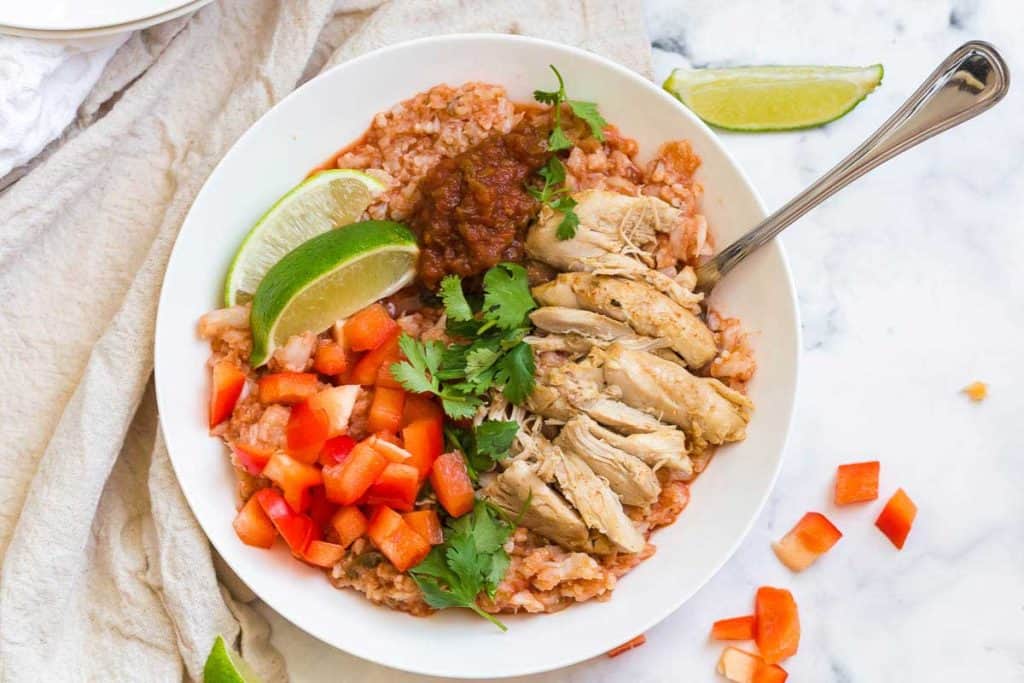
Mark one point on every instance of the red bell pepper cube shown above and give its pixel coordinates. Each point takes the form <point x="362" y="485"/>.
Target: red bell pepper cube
<point x="227" y="384"/>
<point x="386" y="409"/>
<point x="294" y="478"/>
<point x="307" y="432"/>
<point x="628" y="645"/>
<point x="424" y="440"/>
<point x="396" y="487"/>
<point x="452" y="485"/>
<point x="367" y="368"/>
<point x="349" y="523"/>
<point x="398" y="541"/>
<point x="421" y="407"/>
<point x="253" y="525"/>
<point x="347" y="481"/>
<point x="741" y="666"/>
<point x="897" y="517"/>
<point x="251" y="458"/>
<point x="777" y="632"/>
<point x="426" y="524"/>
<point x="321" y="510"/>
<point x="296" y="529"/>
<point x="737" y="628"/>
<point x="330" y="359"/>
<point x="387" y="444"/>
<point x="336" y="450"/>
<point x="857" y="482"/>
<point x="369" y="328"/>
<point x="770" y="673"/>
<point x="337" y="403"/>
<point x="811" y="538"/>
<point x="324" y="554"/>
<point x="287" y="387"/>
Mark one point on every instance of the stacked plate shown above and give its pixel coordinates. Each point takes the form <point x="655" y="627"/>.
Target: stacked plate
<point x="68" y="19"/>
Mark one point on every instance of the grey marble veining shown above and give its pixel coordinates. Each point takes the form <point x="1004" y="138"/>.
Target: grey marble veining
<point x="911" y="285"/>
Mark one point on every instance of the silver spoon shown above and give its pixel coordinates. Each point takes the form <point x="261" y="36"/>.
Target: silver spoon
<point x="969" y="81"/>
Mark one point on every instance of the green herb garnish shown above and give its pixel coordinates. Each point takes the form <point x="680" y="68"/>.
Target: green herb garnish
<point x="584" y="110"/>
<point x="470" y="561"/>
<point x="483" y="445"/>
<point x="555" y="194"/>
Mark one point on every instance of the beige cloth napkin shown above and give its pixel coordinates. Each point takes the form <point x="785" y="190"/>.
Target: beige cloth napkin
<point x="105" y="574"/>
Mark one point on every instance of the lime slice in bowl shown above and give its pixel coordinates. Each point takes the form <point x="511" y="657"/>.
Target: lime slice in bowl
<point x="328" y="278"/>
<point x="224" y="666"/>
<point x="755" y="98"/>
<point x="326" y="200"/>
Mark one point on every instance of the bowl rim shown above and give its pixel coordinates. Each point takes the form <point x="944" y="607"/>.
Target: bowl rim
<point x="670" y="605"/>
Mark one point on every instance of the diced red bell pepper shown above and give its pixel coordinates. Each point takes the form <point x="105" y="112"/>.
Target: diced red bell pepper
<point x="740" y="666"/>
<point x="424" y="440"/>
<point x="253" y="525"/>
<point x="777" y="632"/>
<point x="324" y="554"/>
<point x="296" y="529"/>
<point x="337" y="403"/>
<point x="307" y="432"/>
<point x="251" y="458"/>
<point x="420" y="407"/>
<point x="287" y="387"/>
<point x="386" y="409"/>
<point x="330" y="359"/>
<point x="227" y="384"/>
<point x="336" y="450"/>
<point x="398" y="541"/>
<point x="426" y="524"/>
<point x="367" y="368"/>
<point x="897" y="517"/>
<point x="384" y="376"/>
<point x="737" y="628"/>
<point x="770" y="673"/>
<point x="452" y="485"/>
<point x="628" y="645"/>
<point x="857" y="482"/>
<point x="294" y="478"/>
<point x="396" y="487"/>
<point x="369" y="328"/>
<point x="347" y="481"/>
<point x="811" y="538"/>
<point x="349" y="523"/>
<point x="386" y="444"/>
<point x="321" y="510"/>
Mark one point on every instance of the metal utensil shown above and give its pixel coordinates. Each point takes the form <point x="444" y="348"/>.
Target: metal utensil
<point x="969" y="81"/>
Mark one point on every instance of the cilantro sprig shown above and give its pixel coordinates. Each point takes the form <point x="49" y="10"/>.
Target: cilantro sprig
<point x="470" y="561"/>
<point x="555" y="194"/>
<point x="494" y="354"/>
<point x="483" y="445"/>
<point x="585" y="110"/>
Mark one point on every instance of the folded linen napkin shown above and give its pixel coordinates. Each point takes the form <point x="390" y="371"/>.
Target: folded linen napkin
<point x="105" y="573"/>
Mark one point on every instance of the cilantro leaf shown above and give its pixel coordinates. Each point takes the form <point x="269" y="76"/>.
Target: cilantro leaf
<point x="419" y="373"/>
<point x="458" y="405"/>
<point x="479" y="360"/>
<point x="507" y="297"/>
<point x="566" y="229"/>
<point x="495" y="437"/>
<point x="589" y="113"/>
<point x="548" y="97"/>
<point x="558" y="140"/>
<point x="516" y="373"/>
<point x="455" y="304"/>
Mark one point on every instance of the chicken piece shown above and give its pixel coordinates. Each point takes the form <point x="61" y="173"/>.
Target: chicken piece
<point x="562" y="320"/>
<point x="707" y="410"/>
<point x="647" y="310"/>
<point x="578" y="345"/>
<point x="663" y="447"/>
<point x="547" y="513"/>
<point x="609" y="223"/>
<point x="622" y="417"/>
<point x="633" y="481"/>
<point x="589" y="494"/>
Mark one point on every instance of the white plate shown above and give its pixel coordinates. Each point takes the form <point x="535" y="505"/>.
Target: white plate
<point x="74" y="19"/>
<point x="302" y="131"/>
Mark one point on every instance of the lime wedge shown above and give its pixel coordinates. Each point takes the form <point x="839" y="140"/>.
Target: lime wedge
<point x="224" y="666"/>
<point x="755" y="98"/>
<point x="328" y="278"/>
<point x="323" y="201"/>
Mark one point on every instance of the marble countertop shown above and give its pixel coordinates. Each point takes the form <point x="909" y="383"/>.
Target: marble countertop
<point x="910" y="287"/>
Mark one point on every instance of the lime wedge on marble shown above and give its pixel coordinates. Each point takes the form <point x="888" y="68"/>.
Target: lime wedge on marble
<point x="326" y="200"/>
<point x="224" y="666"/>
<point x="328" y="278"/>
<point x="755" y="98"/>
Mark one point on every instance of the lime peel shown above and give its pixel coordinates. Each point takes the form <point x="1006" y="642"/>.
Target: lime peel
<point x="224" y="666"/>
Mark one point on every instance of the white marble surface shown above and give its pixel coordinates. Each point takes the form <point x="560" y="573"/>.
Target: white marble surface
<point x="911" y="285"/>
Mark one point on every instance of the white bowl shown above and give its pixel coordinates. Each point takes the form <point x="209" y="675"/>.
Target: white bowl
<point x="302" y="131"/>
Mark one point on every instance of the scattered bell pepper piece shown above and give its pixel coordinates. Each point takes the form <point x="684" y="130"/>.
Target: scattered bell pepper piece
<point x="857" y="482"/>
<point x="367" y="368"/>
<point x="336" y="450"/>
<point x="287" y="387"/>
<point x="770" y="673"/>
<point x="294" y="478"/>
<point x="398" y="541"/>
<point x="369" y="328"/>
<point x="347" y="481"/>
<point x="253" y="525"/>
<point x="307" y="432"/>
<point x="324" y="554"/>
<point x="737" y="628"/>
<point x="386" y="409"/>
<point x="419" y="407"/>
<point x="227" y="383"/>
<point x="296" y="529"/>
<point x="897" y="517"/>
<point x="385" y="444"/>
<point x="811" y="538"/>
<point x="337" y="403"/>
<point x="976" y="391"/>
<point x="628" y="645"/>
<point x="396" y="487"/>
<point x="738" y="665"/>
<point x="330" y="359"/>
<point x="426" y="524"/>
<point x="451" y="484"/>
<point x="777" y="631"/>
<point x="349" y="523"/>
<point x="321" y="510"/>
<point x="251" y="458"/>
<point x="424" y="440"/>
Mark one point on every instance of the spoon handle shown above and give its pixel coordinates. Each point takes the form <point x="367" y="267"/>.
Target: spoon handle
<point x="969" y="81"/>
